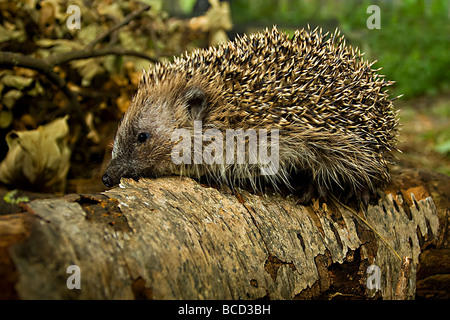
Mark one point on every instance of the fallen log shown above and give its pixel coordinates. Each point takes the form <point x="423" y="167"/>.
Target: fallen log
<point x="173" y="238"/>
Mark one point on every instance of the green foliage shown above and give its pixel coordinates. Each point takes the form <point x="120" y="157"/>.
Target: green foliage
<point x="282" y="11"/>
<point x="441" y="134"/>
<point x="412" y="45"/>
<point x="11" y="198"/>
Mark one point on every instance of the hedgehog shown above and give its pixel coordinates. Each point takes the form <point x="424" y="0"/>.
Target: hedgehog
<point x="336" y="125"/>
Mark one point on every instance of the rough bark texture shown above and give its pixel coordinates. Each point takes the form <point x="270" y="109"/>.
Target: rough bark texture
<point x="173" y="238"/>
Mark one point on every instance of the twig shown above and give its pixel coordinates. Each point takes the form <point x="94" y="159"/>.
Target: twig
<point x="46" y="65"/>
<point x="85" y="54"/>
<point x="118" y="25"/>
<point x="20" y="60"/>
<point x="16" y="59"/>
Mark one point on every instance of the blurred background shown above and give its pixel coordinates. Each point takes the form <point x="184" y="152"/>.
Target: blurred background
<point x="86" y="62"/>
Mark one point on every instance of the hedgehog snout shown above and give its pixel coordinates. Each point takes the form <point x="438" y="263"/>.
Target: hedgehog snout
<point x="114" y="171"/>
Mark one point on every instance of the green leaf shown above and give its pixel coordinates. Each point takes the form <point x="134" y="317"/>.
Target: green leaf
<point x="443" y="148"/>
<point x="10" y="197"/>
<point x="6" y="118"/>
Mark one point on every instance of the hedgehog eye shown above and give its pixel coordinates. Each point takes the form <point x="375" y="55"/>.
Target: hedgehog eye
<point x="142" y="137"/>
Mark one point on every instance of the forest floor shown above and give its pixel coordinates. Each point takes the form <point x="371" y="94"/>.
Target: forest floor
<point x="424" y="136"/>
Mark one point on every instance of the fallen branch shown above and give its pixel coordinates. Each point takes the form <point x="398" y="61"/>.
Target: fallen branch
<point x="46" y="65"/>
<point x="171" y="238"/>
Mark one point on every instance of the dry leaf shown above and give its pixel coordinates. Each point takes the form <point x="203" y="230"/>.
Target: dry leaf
<point x="219" y="15"/>
<point x="10" y="98"/>
<point x="37" y="159"/>
<point x="113" y="10"/>
<point x="88" y="69"/>
<point x="123" y="101"/>
<point x="47" y="18"/>
<point x="93" y="134"/>
<point x="219" y="20"/>
<point x="17" y="82"/>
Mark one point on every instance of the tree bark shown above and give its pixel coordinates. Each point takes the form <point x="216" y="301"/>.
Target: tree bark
<point x="173" y="238"/>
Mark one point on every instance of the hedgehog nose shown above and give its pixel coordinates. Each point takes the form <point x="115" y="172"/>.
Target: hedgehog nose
<point x="107" y="181"/>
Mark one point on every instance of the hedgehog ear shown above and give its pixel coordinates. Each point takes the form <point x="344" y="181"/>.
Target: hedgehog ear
<point x="196" y="102"/>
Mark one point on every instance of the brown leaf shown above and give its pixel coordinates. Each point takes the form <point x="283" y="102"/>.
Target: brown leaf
<point x="47" y="18"/>
<point x="123" y="102"/>
<point x="37" y="158"/>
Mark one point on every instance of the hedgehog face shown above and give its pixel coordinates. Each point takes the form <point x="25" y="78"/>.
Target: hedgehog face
<point x="143" y="144"/>
<point x="137" y="148"/>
